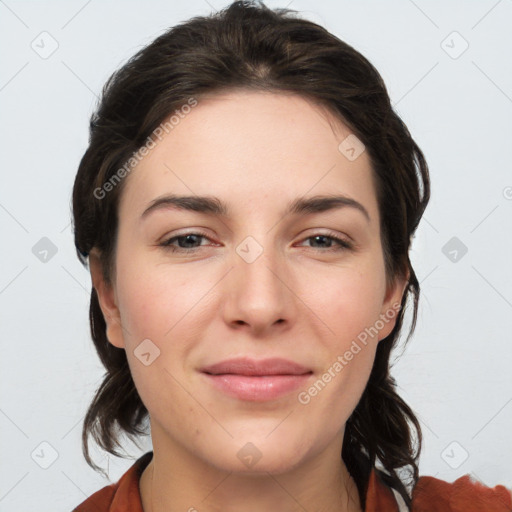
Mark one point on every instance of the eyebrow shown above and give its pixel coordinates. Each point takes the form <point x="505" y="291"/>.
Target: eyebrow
<point x="214" y="206"/>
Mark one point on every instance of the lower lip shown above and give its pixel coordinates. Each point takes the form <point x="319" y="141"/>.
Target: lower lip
<point x="257" y="388"/>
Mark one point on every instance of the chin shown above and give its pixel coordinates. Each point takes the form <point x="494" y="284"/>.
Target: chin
<point x="259" y="454"/>
<point x="276" y="464"/>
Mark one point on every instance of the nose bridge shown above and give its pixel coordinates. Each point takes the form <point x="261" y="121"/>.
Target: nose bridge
<point x="258" y="295"/>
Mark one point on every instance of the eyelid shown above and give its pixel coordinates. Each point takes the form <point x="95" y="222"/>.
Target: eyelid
<point x="341" y="241"/>
<point x="166" y="239"/>
<point x="327" y="232"/>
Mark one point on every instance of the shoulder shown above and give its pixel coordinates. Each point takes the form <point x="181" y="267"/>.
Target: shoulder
<point x="463" y="495"/>
<point x="122" y="496"/>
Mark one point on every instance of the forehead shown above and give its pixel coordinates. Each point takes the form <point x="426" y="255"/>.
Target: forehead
<point x="251" y="146"/>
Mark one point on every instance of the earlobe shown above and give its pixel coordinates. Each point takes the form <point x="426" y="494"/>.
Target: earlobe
<point x="107" y="300"/>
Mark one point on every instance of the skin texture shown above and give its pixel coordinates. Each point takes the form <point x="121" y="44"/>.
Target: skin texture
<point x="301" y="299"/>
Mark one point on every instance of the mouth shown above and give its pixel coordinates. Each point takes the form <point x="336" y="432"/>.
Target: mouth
<point x="256" y="381"/>
<point x="253" y="367"/>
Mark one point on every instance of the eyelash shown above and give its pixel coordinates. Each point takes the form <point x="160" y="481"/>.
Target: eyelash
<point x="343" y="245"/>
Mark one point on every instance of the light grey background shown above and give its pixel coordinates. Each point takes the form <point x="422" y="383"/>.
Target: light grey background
<point x="456" y="372"/>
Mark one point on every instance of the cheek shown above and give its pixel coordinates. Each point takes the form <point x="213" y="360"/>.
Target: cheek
<point x="350" y="301"/>
<point x="335" y="393"/>
<point x="155" y="299"/>
<point x="350" y="307"/>
<point x="168" y="307"/>
<point x="154" y="309"/>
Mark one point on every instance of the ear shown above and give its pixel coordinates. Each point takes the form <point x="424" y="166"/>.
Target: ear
<point x="107" y="299"/>
<point x="392" y="304"/>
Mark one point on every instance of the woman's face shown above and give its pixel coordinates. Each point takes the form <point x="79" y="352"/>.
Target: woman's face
<point x="255" y="281"/>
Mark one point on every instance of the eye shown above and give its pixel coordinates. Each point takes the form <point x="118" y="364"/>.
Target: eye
<point x="323" y="238"/>
<point x="187" y="242"/>
<point x="190" y="242"/>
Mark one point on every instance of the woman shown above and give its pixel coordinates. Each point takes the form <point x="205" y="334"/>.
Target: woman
<point x="246" y="207"/>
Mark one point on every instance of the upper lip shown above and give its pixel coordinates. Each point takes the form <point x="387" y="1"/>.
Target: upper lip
<point x="247" y="366"/>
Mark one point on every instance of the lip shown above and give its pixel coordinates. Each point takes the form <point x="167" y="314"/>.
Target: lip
<point x="257" y="381"/>
<point x="253" y="367"/>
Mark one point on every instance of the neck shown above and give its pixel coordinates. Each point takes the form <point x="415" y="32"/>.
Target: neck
<point x="177" y="481"/>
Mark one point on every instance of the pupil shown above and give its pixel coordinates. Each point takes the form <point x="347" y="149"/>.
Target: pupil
<point x="320" y="237"/>
<point x="187" y="239"/>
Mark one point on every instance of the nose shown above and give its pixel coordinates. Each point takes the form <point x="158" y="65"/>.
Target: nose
<point x="259" y="294"/>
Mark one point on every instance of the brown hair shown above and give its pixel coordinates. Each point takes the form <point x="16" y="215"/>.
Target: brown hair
<point x="248" y="45"/>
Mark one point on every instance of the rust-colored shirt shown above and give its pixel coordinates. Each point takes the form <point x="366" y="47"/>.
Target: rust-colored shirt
<point x="429" y="495"/>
